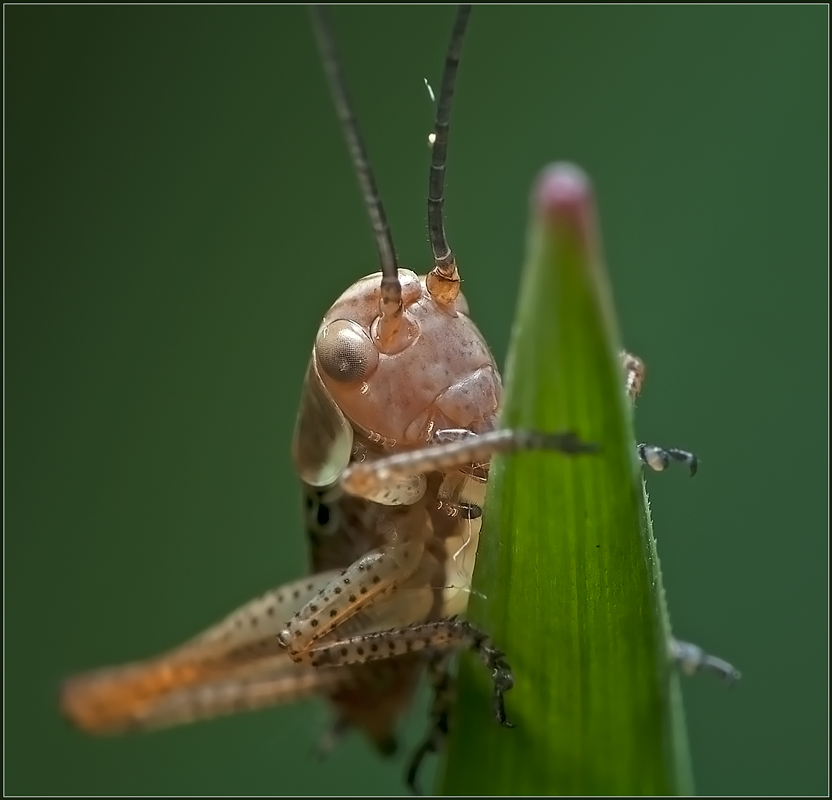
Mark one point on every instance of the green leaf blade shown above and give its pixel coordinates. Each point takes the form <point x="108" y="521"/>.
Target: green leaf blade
<point x="567" y="580"/>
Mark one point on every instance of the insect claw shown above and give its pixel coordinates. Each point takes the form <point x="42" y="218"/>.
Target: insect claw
<point x="415" y="765"/>
<point x="691" y="658"/>
<point x="659" y="458"/>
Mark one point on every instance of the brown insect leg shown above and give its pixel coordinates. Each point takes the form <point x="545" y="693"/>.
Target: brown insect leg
<point x="235" y="664"/>
<point x="443" y="698"/>
<point x="361" y="584"/>
<point x="435" y="637"/>
<point x="364" y="479"/>
<point x="691" y="658"/>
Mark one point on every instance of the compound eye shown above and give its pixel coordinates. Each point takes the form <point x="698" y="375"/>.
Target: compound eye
<point x="345" y="352"/>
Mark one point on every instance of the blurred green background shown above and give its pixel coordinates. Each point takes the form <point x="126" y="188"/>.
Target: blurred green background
<point x="180" y="211"/>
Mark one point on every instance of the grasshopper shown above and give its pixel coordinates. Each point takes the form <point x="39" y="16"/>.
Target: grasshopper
<point x="396" y="428"/>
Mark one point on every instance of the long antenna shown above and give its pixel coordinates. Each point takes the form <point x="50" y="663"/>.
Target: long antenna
<point x="443" y="281"/>
<point x="390" y="304"/>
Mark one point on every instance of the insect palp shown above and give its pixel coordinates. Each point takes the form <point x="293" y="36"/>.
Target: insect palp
<point x="443" y="280"/>
<point x="390" y="301"/>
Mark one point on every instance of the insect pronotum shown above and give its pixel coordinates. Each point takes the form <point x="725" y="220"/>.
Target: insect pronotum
<point x="396" y="428"/>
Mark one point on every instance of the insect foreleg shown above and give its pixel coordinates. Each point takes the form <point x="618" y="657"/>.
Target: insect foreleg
<point x="653" y="456"/>
<point x="367" y="477"/>
<point x="691" y="658"/>
<point x="367" y="579"/>
<point x="434" y="637"/>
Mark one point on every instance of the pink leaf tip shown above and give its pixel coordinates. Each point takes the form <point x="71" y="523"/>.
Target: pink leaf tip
<point x="563" y="198"/>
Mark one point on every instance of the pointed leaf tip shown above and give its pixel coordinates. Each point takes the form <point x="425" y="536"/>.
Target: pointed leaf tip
<point x="563" y="198"/>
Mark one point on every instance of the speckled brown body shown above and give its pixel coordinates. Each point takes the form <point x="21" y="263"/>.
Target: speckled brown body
<point x="399" y="381"/>
<point x="341" y="528"/>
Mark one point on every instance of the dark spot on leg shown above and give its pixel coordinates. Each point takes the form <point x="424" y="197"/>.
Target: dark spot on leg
<point x="376" y="579"/>
<point x="313" y="623"/>
<point x="296" y="594"/>
<point x="374" y="648"/>
<point x="360" y="651"/>
<point x="313" y="608"/>
<point x="363" y="590"/>
<point x="333" y="612"/>
<point x="353" y="598"/>
<point x="338" y="590"/>
<point x="344" y="651"/>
